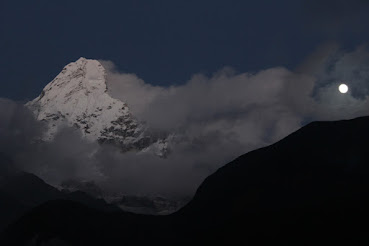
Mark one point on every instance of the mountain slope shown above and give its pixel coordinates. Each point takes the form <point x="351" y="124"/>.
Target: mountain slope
<point x="21" y="192"/>
<point x="78" y="97"/>
<point x="311" y="188"/>
<point x="89" y="226"/>
<point x="11" y="209"/>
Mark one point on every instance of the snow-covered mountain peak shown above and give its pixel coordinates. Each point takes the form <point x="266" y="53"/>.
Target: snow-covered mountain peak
<point x="81" y="77"/>
<point x="78" y="97"/>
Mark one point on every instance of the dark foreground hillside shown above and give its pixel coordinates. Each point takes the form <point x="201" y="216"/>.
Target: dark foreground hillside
<point x="311" y="188"/>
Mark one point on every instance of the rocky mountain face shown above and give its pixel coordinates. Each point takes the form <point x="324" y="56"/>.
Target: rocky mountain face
<point x="78" y="97"/>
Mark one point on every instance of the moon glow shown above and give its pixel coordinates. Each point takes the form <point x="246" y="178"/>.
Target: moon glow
<point x="343" y="88"/>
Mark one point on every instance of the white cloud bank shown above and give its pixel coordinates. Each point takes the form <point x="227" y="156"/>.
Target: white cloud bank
<point x="214" y="118"/>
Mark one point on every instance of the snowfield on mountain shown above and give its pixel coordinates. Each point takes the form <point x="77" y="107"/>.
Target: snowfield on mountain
<point x="78" y="97"/>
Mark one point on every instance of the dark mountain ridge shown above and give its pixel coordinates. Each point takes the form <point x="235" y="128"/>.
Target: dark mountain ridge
<point x="311" y="188"/>
<point x="311" y="185"/>
<point x="21" y="192"/>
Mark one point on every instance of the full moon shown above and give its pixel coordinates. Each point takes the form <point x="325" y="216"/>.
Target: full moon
<point x="343" y="88"/>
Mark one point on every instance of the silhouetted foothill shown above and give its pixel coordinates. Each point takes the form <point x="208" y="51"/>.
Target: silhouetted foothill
<point x="20" y="192"/>
<point x="310" y="188"/>
<point x="312" y="184"/>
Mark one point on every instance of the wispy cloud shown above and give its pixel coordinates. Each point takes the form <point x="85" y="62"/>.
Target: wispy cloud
<point x="214" y="119"/>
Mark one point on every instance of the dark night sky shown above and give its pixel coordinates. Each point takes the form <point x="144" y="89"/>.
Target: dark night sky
<point x="165" y="42"/>
<point x="288" y="59"/>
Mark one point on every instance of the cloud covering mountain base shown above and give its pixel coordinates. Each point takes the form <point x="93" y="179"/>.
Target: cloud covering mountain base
<point x="212" y="119"/>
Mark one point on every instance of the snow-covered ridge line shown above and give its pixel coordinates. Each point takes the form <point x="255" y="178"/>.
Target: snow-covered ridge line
<point x="78" y="97"/>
